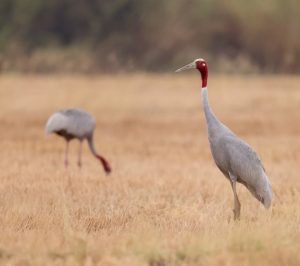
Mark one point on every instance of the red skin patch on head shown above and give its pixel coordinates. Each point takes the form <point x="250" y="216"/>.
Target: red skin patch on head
<point x="201" y="65"/>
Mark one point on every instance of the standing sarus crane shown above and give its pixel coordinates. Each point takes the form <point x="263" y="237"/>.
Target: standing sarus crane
<point x="75" y="124"/>
<point x="234" y="157"/>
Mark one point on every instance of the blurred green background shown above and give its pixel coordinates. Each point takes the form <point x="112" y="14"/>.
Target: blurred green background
<point x="150" y="35"/>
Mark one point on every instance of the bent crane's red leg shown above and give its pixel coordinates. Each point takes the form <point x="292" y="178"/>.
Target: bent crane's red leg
<point x="79" y="154"/>
<point x="237" y="204"/>
<point x="66" y="154"/>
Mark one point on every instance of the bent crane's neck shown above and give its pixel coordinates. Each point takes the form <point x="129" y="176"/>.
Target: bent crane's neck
<point x="103" y="161"/>
<point x="213" y="124"/>
<point x="90" y="140"/>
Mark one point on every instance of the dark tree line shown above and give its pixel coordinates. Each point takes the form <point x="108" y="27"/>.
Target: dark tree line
<point x="92" y="35"/>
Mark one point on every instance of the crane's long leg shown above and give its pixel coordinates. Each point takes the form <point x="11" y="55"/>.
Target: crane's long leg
<point x="79" y="154"/>
<point x="66" y="154"/>
<point x="237" y="204"/>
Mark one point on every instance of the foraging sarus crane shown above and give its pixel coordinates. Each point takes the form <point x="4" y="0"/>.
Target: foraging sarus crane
<point x="75" y="124"/>
<point x="234" y="157"/>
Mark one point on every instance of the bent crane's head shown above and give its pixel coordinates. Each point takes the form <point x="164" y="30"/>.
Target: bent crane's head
<point x="199" y="64"/>
<point x="105" y="164"/>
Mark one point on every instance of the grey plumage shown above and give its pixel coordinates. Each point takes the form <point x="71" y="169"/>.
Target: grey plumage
<point x="233" y="156"/>
<point x="75" y="123"/>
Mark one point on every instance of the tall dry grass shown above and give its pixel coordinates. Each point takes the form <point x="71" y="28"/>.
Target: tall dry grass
<point x="165" y="202"/>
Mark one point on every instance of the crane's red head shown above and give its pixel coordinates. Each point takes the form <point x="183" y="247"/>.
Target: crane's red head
<point x="199" y="64"/>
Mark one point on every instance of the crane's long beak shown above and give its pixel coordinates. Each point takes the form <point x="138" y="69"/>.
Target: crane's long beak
<point x="188" y="66"/>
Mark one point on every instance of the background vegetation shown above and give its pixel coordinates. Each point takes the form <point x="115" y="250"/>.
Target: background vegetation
<point x="165" y="203"/>
<point x="153" y="35"/>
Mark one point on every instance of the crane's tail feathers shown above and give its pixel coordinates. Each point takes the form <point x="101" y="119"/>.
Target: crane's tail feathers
<point x="56" y="122"/>
<point x="48" y="129"/>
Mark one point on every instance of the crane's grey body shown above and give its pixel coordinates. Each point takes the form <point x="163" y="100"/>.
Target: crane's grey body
<point x="75" y="124"/>
<point x="235" y="158"/>
<point x="71" y="123"/>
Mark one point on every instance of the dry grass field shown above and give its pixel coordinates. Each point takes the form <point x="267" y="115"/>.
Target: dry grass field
<point x="165" y="202"/>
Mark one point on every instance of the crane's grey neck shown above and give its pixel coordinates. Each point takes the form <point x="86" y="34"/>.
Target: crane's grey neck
<point x="103" y="161"/>
<point x="213" y="124"/>
<point x="90" y="140"/>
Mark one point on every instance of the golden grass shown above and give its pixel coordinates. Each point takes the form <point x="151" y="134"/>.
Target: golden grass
<point x="165" y="202"/>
